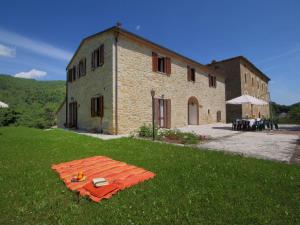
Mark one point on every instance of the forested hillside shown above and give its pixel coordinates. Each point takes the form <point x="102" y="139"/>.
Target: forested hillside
<point x="31" y="103"/>
<point x="287" y="114"/>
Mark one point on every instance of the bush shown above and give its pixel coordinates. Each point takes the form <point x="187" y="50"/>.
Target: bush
<point x="179" y="136"/>
<point x="146" y="131"/>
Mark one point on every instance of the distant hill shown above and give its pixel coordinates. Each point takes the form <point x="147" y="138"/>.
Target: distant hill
<point x="32" y="103"/>
<point x="286" y="113"/>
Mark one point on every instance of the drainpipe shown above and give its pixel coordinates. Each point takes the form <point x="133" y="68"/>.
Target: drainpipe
<point x="116" y="79"/>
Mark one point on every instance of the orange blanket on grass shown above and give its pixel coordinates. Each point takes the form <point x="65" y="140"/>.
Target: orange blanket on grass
<point x="119" y="175"/>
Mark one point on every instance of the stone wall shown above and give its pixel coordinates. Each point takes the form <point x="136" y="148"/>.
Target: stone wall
<point x="258" y="88"/>
<point x="237" y="84"/>
<point x="231" y="70"/>
<point x="136" y="79"/>
<point x="94" y="83"/>
<point x="61" y="116"/>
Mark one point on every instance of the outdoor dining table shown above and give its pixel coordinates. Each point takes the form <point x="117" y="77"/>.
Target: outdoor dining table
<point x="252" y="121"/>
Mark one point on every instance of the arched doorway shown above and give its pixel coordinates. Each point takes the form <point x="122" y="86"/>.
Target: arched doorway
<point x="193" y="111"/>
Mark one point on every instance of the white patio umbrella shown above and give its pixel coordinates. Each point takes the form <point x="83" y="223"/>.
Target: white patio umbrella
<point x="3" y="105"/>
<point x="247" y="99"/>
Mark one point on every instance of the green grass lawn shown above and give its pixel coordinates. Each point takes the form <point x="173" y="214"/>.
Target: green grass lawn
<point x="190" y="187"/>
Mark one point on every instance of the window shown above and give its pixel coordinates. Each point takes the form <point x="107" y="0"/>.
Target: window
<point x="97" y="57"/>
<point x="245" y="78"/>
<point x="72" y="74"/>
<point x="252" y="81"/>
<point x="161" y="64"/>
<point x="191" y="74"/>
<point x="69" y="75"/>
<point x="162" y="112"/>
<point x="212" y="81"/>
<point x="257" y="84"/>
<point x="82" y="67"/>
<point x="97" y="106"/>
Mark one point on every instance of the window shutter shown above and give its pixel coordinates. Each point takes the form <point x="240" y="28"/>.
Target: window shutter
<point x="154" y="62"/>
<point x="209" y="80"/>
<point x="74" y="72"/>
<point x="189" y="73"/>
<point x="168" y="66"/>
<point x="168" y="113"/>
<point x="215" y="81"/>
<point x="101" y="55"/>
<point x="101" y="106"/>
<point x="156" y="111"/>
<point x="80" y="68"/>
<point x="92" y="107"/>
<point x="84" y="66"/>
<point x="93" y="60"/>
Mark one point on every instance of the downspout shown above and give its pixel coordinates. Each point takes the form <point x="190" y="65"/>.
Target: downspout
<point x="66" y="100"/>
<point x="116" y="80"/>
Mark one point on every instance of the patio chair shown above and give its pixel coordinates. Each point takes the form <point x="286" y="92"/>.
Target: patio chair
<point x="267" y="123"/>
<point x="234" y="124"/>
<point x="247" y="125"/>
<point x="239" y="125"/>
<point x="254" y="126"/>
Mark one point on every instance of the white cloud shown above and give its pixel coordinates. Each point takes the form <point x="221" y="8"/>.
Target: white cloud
<point x="34" y="45"/>
<point x="32" y="74"/>
<point x="287" y="53"/>
<point x="7" y="51"/>
<point x="138" y="27"/>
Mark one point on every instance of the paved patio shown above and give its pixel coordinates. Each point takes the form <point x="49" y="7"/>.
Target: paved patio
<point x="278" y="145"/>
<point x="101" y="136"/>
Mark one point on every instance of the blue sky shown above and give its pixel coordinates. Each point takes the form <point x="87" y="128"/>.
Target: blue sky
<point x="37" y="38"/>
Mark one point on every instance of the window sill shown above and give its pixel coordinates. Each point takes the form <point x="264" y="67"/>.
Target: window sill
<point x="97" y="67"/>
<point x="162" y="73"/>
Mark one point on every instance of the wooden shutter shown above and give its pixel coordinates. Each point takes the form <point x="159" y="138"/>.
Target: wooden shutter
<point x="101" y="106"/>
<point x="79" y="68"/>
<point x="168" y="65"/>
<point x="68" y="76"/>
<point x="93" y="60"/>
<point x="156" y="111"/>
<point x="168" y="113"/>
<point x="189" y="75"/>
<point x="101" y="55"/>
<point x="84" y="67"/>
<point x="154" y="62"/>
<point x="92" y="107"/>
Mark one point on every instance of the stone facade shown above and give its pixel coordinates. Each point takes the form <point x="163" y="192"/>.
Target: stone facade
<point x="243" y="78"/>
<point x="136" y="80"/>
<point x="126" y="80"/>
<point x="61" y="115"/>
<point x="96" y="82"/>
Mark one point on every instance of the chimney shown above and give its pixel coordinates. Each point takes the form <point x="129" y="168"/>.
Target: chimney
<point x="119" y="24"/>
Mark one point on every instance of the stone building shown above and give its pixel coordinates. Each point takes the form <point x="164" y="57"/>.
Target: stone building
<point x="242" y="77"/>
<point x="111" y="76"/>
